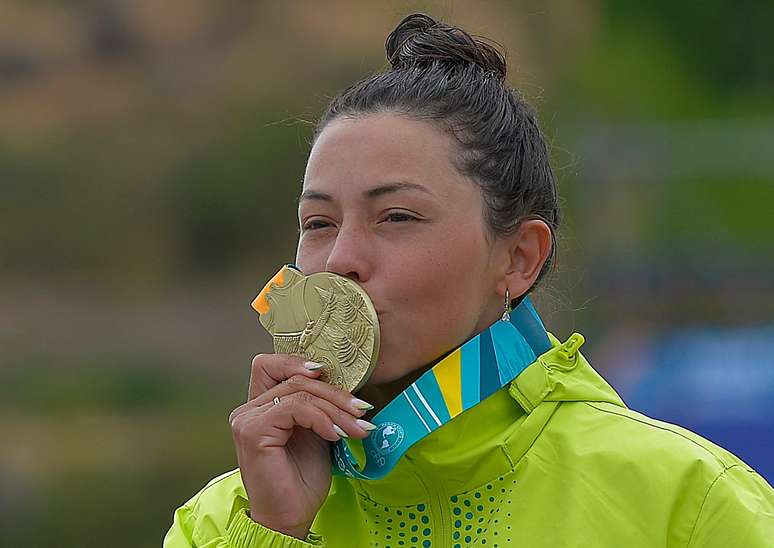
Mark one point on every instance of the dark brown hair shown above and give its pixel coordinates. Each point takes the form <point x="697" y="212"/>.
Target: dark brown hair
<point x="441" y="74"/>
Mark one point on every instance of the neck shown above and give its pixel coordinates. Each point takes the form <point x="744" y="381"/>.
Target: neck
<point x="382" y="394"/>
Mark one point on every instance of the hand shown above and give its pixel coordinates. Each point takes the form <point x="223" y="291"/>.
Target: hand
<point x="283" y="449"/>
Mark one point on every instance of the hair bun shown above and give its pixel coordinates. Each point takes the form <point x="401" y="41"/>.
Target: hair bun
<point x="419" y="40"/>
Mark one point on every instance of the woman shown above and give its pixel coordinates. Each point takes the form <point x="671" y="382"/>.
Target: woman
<point x="429" y="185"/>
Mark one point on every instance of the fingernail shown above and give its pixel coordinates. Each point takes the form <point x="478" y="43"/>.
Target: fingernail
<point x="365" y="425"/>
<point x="341" y="433"/>
<point x="313" y="366"/>
<point x="357" y="403"/>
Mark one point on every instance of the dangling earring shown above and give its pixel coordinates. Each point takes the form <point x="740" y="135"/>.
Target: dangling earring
<point x="507" y="313"/>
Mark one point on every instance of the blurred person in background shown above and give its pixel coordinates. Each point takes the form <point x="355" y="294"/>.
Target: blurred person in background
<point x="430" y="186"/>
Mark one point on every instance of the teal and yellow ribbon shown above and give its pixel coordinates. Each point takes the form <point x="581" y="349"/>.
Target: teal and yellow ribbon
<point x="462" y="379"/>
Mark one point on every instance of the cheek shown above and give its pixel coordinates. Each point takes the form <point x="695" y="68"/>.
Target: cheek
<point x="437" y="288"/>
<point x="416" y="278"/>
<point x="310" y="258"/>
<point x="454" y="264"/>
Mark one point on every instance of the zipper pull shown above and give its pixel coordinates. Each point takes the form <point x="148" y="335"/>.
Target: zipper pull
<point x="571" y="346"/>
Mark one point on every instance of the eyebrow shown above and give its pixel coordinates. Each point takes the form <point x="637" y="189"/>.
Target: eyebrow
<point x="369" y="194"/>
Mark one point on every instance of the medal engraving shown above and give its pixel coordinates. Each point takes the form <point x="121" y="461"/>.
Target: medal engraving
<point x="324" y="318"/>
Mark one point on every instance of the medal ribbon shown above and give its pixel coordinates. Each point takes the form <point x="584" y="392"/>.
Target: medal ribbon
<point x="462" y="379"/>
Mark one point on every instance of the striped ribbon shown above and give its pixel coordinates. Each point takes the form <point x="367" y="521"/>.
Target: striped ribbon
<point x="460" y="380"/>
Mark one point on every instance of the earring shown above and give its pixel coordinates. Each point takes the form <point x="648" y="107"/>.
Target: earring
<point x="507" y="313"/>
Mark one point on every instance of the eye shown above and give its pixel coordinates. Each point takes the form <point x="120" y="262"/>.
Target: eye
<point x="315" y="224"/>
<point x="400" y="217"/>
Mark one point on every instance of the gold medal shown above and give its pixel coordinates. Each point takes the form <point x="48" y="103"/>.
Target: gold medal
<point x="325" y="318"/>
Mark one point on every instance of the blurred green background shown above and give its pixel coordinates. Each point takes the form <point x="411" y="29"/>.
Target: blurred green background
<point x="150" y="157"/>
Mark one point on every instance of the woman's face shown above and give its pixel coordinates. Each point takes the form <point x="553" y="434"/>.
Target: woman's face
<point x="383" y="205"/>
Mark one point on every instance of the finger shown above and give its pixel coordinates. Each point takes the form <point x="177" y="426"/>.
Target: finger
<point x="300" y="383"/>
<point x="274" y="427"/>
<point x="256" y="428"/>
<point x="268" y="370"/>
<point x="346" y="421"/>
<point x="334" y="398"/>
<point x="249" y="407"/>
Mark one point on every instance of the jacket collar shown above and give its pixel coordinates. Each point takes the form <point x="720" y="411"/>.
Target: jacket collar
<point x="487" y="440"/>
<point x="561" y="375"/>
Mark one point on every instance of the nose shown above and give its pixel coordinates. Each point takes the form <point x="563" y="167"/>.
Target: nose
<point x="349" y="254"/>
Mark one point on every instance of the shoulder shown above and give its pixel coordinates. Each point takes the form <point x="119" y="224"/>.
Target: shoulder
<point x="651" y="455"/>
<point x="223" y="488"/>
<point x="229" y="482"/>
<point x="737" y="510"/>
<point x="643" y="436"/>
<point x="662" y="473"/>
<point x="211" y="509"/>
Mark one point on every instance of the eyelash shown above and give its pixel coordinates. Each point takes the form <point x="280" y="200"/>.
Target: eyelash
<point x="407" y="217"/>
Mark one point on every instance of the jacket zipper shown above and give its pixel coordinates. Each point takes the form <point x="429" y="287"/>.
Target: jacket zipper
<point x="438" y="507"/>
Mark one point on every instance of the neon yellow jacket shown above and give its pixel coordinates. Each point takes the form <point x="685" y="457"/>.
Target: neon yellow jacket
<point x="555" y="459"/>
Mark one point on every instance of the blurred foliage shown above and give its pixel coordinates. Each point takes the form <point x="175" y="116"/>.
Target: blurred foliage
<point x="227" y="198"/>
<point x="723" y="50"/>
<point x="679" y="225"/>
<point x="89" y="386"/>
<point x="150" y="158"/>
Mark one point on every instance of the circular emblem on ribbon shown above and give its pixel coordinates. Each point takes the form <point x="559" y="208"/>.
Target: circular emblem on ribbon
<point x="388" y="437"/>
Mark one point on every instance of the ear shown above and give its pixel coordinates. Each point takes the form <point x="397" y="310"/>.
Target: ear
<point x="527" y="250"/>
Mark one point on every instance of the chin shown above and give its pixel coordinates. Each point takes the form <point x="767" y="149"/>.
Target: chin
<point x="386" y="372"/>
<point x="380" y="376"/>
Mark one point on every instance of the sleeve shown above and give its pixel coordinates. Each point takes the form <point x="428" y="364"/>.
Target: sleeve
<point x="180" y="535"/>
<point x="738" y="510"/>
<point x="241" y="532"/>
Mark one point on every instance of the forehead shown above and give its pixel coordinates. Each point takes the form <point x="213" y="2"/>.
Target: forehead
<point x="355" y="154"/>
